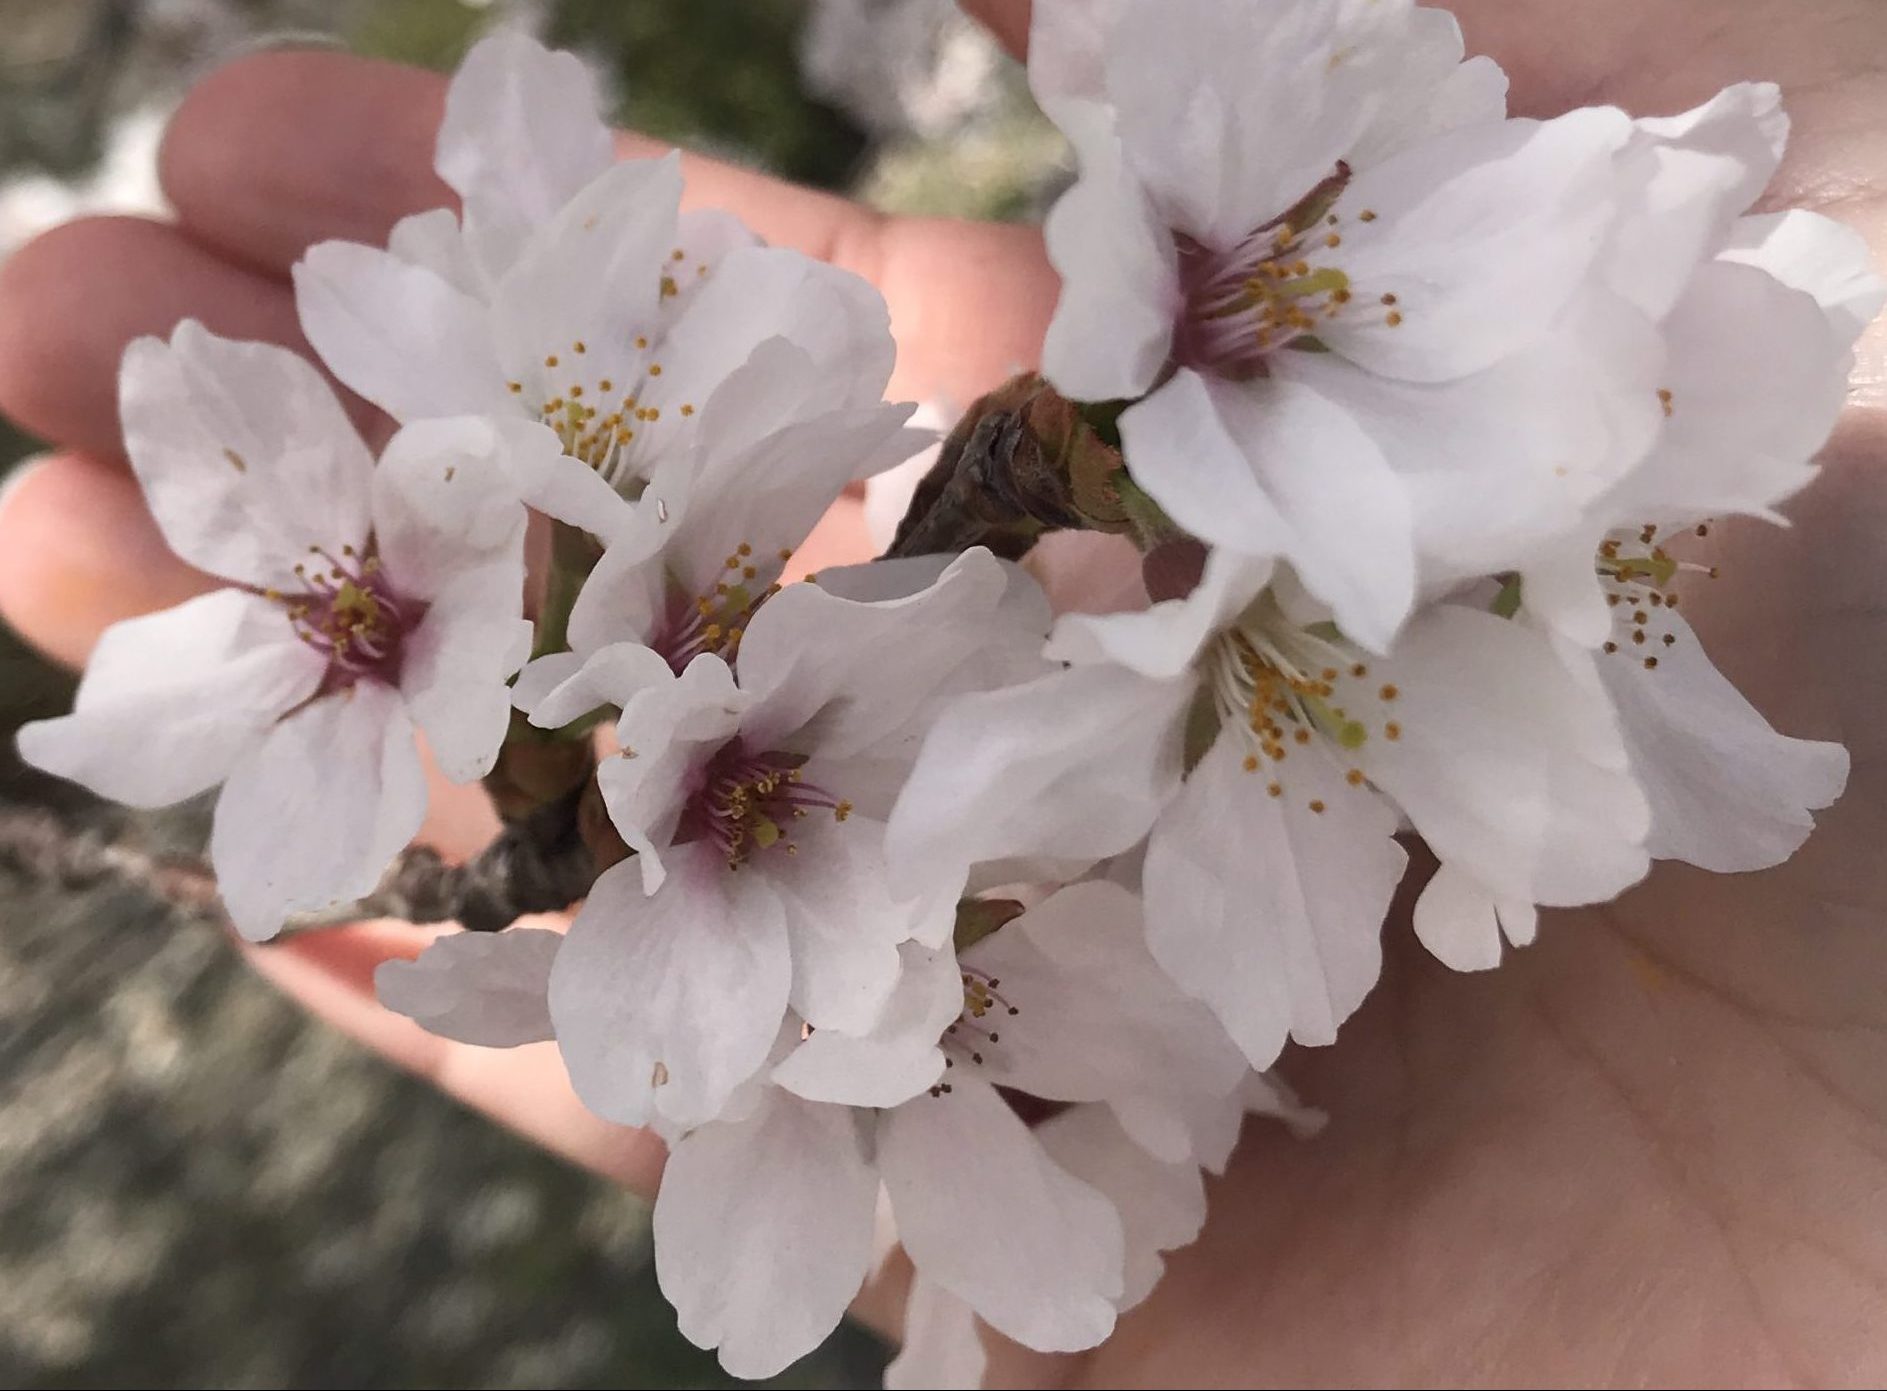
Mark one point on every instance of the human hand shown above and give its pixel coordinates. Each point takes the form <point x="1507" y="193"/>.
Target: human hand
<point x="1566" y="1171"/>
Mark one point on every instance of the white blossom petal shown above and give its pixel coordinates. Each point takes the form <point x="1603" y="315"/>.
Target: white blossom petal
<point x="170" y="702"/>
<point x="867" y="673"/>
<point x="1180" y="449"/>
<point x="1095" y="1018"/>
<point x="590" y="276"/>
<point x="1220" y="152"/>
<point x="1509" y="762"/>
<point x="1687" y="177"/>
<point x="454" y="665"/>
<point x="491" y="989"/>
<point x="941" y="1347"/>
<point x="397" y="333"/>
<point x="444" y="504"/>
<point x="664" y="730"/>
<point x="433" y="241"/>
<point x="1748" y="410"/>
<point x="763" y="1231"/>
<point x="1727" y="792"/>
<point x="1270" y="907"/>
<point x="1012" y="772"/>
<point x="244" y="455"/>
<point x="1482" y="235"/>
<point x="313" y="817"/>
<point x="1163" y="641"/>
<point x="842" y="921"/>
<point x="1350" y="528"/>
<point x="564" y="692"/>
<point x="1119" y="268"/>
<point x="988" y="1216"/>
<point x="1162" y="1206"/>
<point x="899" y="1058"/>
<point x="519" y="139"/>
<point x="1818" y="256"/>
<point x="668" y="1002"/>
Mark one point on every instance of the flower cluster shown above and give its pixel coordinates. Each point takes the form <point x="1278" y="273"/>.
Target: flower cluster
<point x="906" y="895"/>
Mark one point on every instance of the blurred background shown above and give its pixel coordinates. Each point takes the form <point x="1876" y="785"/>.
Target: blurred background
<point x="198" y="1186"/>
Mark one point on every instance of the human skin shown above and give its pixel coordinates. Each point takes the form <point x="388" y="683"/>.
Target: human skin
<point x="1650" y="1149"/>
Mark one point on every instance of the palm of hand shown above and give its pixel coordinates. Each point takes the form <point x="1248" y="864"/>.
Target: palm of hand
<point x="1651" y="1148"/>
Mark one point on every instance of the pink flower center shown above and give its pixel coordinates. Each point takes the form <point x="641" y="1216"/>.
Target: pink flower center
<point x="1270" y="292"/>
<point x="716" y="620"/>
<point x="748" y="802"/>
<point x="348" y="612"/>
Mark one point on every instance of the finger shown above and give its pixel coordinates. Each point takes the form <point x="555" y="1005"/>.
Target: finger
<point x="71" y="300"/>
<point x="281" y="150"/>
<point x="526" y="1089"/>
<point x="79" y="552"/>
<point x="1008" y="20"/>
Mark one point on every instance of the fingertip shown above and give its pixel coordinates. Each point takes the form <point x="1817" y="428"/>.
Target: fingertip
<point x="285" y="147"/>
<point x="79" y="552"/>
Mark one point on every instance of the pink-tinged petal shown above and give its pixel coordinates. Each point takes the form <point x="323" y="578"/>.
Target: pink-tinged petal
<point x="941" y="1347"/>
<point x="1748" y="409"/>
<point x="1728" y="793"/>
<point x="1685" y="179"/>
<point x="1119" y="268"/>
<point x="590" y="276"/>
<point x="1482" y="236"/>
<point x="172" y="701"/>
<point x="491" y="989"/>
<point x="454" y="666"/>
<point x="520" y="138"/>
<point x="986" y="1214"/>
<point x="900" y="1057"/>
<point x="1012" y="773"/>
<point x="314" y="816"/>
<point x="244" y="455"/>
<point x="763" y="1231"/>
<point x="1270" y="907"/>
<point x="396" y="333"/>
<point x="1162" y="1205"/>
<point x="666" y="1003"/>
<point x="1822" y="258"/>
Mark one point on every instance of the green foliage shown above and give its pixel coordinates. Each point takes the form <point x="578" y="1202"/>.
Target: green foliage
<point x="426" y="33"/>
<point x="718" y="75"/>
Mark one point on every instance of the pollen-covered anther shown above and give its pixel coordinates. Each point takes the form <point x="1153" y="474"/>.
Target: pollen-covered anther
<point x="748" y="801"/>
<point x="349" y="613"/>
